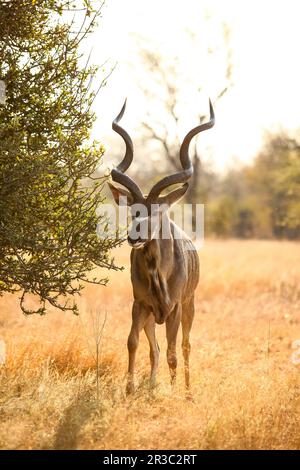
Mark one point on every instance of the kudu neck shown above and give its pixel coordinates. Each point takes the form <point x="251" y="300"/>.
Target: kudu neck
<point x="161" y="247"/>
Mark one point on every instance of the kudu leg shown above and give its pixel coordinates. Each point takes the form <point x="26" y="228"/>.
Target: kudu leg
<point x="188" y="311"/>
<point x="172" y="325"/>
<point x="154" y="348"/>
<point x="139" y="318"/>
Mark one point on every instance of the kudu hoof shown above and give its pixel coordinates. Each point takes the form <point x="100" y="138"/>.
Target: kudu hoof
<point x="129" y="389"/>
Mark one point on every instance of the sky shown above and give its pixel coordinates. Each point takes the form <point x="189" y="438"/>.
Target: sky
<point x="265" y="43"/>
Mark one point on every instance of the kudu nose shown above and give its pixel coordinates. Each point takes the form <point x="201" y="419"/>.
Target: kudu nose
<point x="132" y="241"/>
<point x="135" y="243"/>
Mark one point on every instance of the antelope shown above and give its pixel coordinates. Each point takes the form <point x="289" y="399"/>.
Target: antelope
<point x="164" y="270"/>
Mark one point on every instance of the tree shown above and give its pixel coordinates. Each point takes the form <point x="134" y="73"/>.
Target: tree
<point x="48" y="194"/>
<point x="222" y="216"/>
<point x="275" y="179"/>
<point x="261" y="199"/>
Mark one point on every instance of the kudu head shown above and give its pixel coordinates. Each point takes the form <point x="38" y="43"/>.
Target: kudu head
<point x="153" y="205"/>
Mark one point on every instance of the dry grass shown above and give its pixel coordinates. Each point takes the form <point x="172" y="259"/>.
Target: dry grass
<point x="246" y="389"/>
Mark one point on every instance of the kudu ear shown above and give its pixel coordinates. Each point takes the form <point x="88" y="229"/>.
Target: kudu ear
<point x="121" y="196"/>
<point x="173" y="196"/>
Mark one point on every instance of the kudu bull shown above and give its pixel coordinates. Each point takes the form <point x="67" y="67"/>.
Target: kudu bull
<point x="164" y="270"/>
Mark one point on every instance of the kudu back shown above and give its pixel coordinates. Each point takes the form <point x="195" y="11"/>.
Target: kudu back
<point x="164" y="269"/>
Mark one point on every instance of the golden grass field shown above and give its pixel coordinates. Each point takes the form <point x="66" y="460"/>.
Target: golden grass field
<point x="246" y="389"/>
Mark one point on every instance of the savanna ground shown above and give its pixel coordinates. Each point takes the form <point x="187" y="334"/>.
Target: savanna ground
<point x="246" y="388"/>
